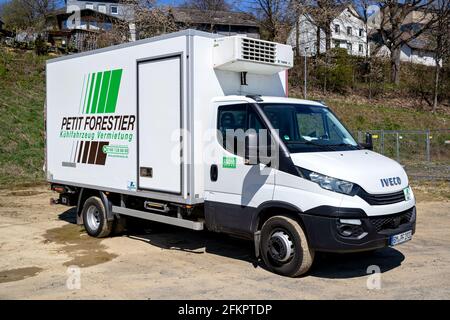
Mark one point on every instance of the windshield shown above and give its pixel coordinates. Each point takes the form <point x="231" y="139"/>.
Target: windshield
<point x="306" y="128"/>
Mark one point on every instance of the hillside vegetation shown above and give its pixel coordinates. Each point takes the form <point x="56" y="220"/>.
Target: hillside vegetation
<point x="22" y="97"/>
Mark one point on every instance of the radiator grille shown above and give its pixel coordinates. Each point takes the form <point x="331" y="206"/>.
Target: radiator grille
<point x="382" y="199"/>
<point x="258" y="51"/>
<point x="392" y="221"/>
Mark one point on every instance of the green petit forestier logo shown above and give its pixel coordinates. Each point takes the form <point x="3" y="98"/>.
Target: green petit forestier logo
<point x="229" y="162"/>
<point x="101" y="92"/>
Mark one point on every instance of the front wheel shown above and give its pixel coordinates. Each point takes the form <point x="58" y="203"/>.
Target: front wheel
<point x="284" y="247"/>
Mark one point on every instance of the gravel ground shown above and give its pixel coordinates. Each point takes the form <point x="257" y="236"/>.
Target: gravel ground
<point x="44" y="255"/>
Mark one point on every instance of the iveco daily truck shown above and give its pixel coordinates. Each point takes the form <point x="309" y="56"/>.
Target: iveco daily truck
<point x="195" y="130"/>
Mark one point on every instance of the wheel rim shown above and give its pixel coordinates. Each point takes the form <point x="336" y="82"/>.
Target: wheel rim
<point x="281" y="247"/>
<point x="93" y="218"/>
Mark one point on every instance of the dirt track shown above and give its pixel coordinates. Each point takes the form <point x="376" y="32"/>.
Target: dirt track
<point x="38" y="243"/>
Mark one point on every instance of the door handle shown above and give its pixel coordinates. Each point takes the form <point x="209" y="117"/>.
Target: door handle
<point x="214" y="172"/>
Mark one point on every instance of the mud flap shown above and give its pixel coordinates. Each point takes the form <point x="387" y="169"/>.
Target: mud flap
<point x="257" y="241"/>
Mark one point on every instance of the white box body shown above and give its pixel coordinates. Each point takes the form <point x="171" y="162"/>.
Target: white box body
<point x="130" y="118"/>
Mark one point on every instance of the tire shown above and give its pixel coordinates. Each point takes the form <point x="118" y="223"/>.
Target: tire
<point x="284" y="247"/>
<point x="94" y="218"/>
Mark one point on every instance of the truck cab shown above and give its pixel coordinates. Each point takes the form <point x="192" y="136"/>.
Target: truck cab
<point x="287" y="173"/>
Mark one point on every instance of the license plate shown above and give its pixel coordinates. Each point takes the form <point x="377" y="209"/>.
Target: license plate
<point x="400" y="238"/>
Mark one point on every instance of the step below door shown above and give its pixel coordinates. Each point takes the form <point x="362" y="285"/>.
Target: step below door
<point x="159" y="123"/>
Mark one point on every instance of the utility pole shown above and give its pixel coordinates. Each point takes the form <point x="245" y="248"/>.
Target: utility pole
<point x="304" y="90"/>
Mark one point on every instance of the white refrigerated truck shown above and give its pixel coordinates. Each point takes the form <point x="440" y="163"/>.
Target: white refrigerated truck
<point x="195" y="130"/>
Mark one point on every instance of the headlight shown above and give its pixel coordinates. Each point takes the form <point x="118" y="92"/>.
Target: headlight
<point x="328" y="183"/>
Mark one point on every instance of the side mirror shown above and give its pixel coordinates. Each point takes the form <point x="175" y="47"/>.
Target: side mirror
<point x="369" y="142"/>
<point x="251" y="148"/>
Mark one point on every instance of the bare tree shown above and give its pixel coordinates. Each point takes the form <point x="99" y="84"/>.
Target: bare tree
<point x="273" y="15"/>
<point x="439" y="38"/>
<point x="209" y="10"/>
<point x="320" y="14"/>
<point x="212" y="5"/>
<point x="28" y="15"/>
<point x="371" y="68"/>
<point x="364" y="14"/>
<point x="147" y="18"/>
<point x="394" y="30"/>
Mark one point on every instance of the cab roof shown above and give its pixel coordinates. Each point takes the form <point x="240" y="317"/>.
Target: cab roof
<point x="268" y="99"/>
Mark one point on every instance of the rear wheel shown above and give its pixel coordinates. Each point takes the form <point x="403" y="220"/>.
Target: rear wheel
<point x="284" y="247"/>
<point x="94" y="218"/>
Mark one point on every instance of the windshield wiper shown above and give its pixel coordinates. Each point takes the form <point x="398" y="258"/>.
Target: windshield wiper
<point x="343" y="144"/>
<point x="310" y="143"/>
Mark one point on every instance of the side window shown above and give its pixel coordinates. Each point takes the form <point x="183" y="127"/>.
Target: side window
<point x="231" y="118"/>
<point x="232" y="123"/>
<point x="254" y="122"/>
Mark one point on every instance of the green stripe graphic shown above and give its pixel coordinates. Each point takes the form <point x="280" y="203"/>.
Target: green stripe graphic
<point x="113" y="94"/>
<point x="102" y="91"/>
<point x="98" y="81"/>
<point x="90" y="92"/>
<point x="86" y="90"/>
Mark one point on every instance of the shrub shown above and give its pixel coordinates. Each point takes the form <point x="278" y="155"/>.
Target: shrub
<point x="40" y="46"/>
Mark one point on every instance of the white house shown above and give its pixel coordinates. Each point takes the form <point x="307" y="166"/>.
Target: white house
<point x="113" y="8"/>
<point x="416" y="51"/>
<point x="347" y="31"/>
<point x="110" y="7"/>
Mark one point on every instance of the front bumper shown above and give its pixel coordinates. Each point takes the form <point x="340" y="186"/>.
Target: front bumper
<point x="323" y="235"/>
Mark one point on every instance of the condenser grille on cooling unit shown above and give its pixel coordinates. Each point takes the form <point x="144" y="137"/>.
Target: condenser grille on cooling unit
<point x="258" y="51"/>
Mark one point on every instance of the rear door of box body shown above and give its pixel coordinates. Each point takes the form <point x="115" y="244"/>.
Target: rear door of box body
<point x="159" y="124"/>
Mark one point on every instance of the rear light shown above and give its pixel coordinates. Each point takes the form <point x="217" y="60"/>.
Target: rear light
<point x="58" y="189"/>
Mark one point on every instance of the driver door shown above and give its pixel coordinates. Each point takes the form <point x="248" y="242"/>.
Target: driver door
<point x="233" y="189"/>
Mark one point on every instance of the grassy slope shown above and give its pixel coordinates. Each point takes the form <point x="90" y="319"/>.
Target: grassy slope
<point x="375" y="116"/>
<point x="22" y="96"/>
<point x="360" y="114"/>
<point x="22" y="91"/>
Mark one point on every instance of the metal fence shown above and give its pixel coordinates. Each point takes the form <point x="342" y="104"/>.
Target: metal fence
<point x="425" y="153"/>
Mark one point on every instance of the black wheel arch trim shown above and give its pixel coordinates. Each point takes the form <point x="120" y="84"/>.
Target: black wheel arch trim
<point x="106" y="202"/>
<point x="269" y="205"/>
<point x="321" y="211"/>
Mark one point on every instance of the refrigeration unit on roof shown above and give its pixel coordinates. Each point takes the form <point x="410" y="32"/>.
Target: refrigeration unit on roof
<point x="243" y="54"/>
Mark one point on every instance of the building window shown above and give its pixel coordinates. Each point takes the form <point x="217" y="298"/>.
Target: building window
<point x="90" y="6"/>
<point x="349" y="47"/>
<point x="349" y="31"/>
<point x="361" y="48"/>
<point x="361" y="32"/>
<point x="114" y="10"/>
<point x="102" y="8"/>
<point x="337" y="28"/>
